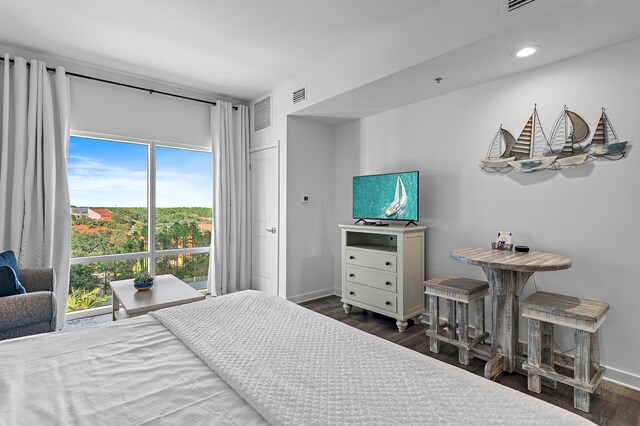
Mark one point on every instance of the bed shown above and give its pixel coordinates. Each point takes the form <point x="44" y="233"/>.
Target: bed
<point x="245" y="359"/>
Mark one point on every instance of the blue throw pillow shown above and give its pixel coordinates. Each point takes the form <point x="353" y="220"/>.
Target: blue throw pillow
<point x="9" y="258"/>
<point x="9" y="283"/>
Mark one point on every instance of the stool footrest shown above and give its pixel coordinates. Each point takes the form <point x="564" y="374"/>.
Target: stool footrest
<point x="468" y="345"/>
<point x="550" y="374"/>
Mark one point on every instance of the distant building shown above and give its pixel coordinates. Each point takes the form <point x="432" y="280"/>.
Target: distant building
<point x="79" y="212"/>
<point x="99" y="214"/>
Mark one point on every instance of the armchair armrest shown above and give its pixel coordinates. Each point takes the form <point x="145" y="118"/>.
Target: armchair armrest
<point x="38" y="279"/>
<point x="25" y="310"/>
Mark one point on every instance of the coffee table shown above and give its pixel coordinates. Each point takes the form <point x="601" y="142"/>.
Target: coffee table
<point x="167" y="291"/>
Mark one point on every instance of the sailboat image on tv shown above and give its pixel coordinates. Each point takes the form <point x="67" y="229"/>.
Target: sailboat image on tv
<point x="499" y="156"/>
<point x="568" y="132"/>
<point x="605" y="140"/>
<point x="531" y="150"/>
<point x="399" y="201"/>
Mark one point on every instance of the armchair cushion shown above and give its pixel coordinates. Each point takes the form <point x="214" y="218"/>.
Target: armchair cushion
<point x="31" y="313"/>
<point x="9" y="283"/>
<point x="9" y="258"/>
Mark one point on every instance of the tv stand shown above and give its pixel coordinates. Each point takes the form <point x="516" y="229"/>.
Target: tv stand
<point x="383" y="270"/>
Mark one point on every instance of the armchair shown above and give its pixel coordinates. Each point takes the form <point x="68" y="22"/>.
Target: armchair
<point x="33" y="312"/>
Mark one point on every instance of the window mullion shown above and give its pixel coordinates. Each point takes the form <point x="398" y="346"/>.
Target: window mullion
<point x="151" y="207"/>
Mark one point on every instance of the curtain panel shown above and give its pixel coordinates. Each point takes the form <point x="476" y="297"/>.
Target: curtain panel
<point x="35" y="217"/>
<point x="230" y="260"/>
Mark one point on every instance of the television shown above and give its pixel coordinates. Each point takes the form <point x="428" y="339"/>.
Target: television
<point x="390" y="196"/>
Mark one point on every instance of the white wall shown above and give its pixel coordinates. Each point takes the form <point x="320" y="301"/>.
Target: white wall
<point x="588" y="214"/>
<point x="311" y="241"/>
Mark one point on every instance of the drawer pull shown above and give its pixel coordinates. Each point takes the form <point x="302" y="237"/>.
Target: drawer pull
<point x="352" y="257"/>
<point x="388" y="303"/>
<point x="387" y="283"/>
<point x="351" y="275"/>
<point x="387" y="263"/>
<point x="352" y="293"/>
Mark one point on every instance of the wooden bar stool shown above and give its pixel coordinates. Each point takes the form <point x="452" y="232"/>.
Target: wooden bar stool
<point x="585" y="316"/>
<point x="458" y="292"/>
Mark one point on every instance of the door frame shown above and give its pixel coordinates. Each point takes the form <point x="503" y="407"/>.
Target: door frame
<point x="262" y="147"/>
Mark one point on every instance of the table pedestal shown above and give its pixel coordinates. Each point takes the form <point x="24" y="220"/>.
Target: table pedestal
<point x="505" y="288"/>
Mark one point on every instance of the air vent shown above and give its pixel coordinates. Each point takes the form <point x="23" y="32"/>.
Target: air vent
<point x="300" y="95"/>
<point x="512" y="5"/>
<point x="262" y="114"/>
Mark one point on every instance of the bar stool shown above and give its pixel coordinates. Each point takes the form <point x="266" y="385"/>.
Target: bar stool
<point x="585" y="316"/>
<point x="458" y="292"/>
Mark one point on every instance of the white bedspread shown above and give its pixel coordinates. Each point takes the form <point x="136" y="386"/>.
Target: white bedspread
<point x="133" y="372"/>
<point x="296" y="369"/>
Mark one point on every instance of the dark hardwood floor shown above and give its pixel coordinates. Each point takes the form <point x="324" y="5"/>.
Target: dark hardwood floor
<point x="615" y="406"/>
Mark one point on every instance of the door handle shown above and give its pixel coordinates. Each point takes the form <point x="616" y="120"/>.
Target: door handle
<point x="272" y="230"/>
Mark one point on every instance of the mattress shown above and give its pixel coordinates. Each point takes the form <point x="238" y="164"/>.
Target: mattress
<point x="138" y="372"/>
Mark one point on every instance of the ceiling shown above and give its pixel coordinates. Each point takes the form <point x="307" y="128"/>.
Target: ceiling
<point x="564" y="29"/>
<point x="236" y="48"/>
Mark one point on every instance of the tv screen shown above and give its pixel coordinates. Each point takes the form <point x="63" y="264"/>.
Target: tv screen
<point x="391" y="196"/>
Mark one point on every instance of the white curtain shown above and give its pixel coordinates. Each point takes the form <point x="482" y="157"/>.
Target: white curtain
<point x="230" y="261"/>
<point x="35" y="220"/>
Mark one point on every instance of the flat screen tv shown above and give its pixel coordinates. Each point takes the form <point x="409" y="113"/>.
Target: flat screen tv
<point x="390" y="196"/>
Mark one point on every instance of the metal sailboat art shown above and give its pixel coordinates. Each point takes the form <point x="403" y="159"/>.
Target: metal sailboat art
<point x="567" y="134"/>
<point x="532" y="148"/>
<point x="399" y="201"/>
<point x="499" y="151"/>
<point x="605" y="141"/>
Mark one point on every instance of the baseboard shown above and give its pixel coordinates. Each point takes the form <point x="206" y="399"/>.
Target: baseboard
<point x="618" y="377"/>
<point x="311" y="296"/>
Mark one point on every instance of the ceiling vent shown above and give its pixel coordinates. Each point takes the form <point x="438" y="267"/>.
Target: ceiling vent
<point x="300" y="95"/>
<point x="262" y="114"/>
<point x="512" y="5"/>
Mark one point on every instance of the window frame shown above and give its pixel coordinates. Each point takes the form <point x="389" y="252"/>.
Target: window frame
<point x="152" y="252"/>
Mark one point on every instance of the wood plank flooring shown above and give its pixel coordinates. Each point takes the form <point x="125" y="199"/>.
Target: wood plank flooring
<point x="616" y="406"/>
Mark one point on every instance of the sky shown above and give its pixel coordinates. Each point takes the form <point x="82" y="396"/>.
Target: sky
<point x="114" y="174"/>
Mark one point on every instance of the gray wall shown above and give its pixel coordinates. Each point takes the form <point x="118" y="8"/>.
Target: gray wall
<point x="311" y="238"/>
<point x="588" y="214"/>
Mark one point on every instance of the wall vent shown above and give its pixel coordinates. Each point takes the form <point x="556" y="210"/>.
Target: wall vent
<point x="512" y="5"/>
<point x="262" y="114"/>
<point x="300" y="95"/>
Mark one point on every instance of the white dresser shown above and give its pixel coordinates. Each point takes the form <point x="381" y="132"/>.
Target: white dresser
<point x="383" y="270"/>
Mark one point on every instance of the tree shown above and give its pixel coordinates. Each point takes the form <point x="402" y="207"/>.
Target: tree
<point x="81" y="277"/>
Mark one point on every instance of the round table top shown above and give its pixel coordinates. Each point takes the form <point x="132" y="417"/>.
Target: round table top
<point x="511" y="260"/>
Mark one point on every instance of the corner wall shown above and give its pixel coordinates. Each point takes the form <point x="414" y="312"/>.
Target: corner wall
<point x="311" y="231"/>
<point x="588" y="213"/>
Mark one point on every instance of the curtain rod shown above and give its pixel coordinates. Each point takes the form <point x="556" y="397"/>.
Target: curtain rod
<point x="130" y="86"/>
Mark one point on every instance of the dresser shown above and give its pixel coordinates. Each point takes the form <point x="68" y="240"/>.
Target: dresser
<point x="383" y="270"/>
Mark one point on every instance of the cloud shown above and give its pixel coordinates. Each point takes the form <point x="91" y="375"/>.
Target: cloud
<point x="96" y="183"/>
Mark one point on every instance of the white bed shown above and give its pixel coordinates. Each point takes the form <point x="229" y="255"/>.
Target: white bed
<point x="245" y="359"/>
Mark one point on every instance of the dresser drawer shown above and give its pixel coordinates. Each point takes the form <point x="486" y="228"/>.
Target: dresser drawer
<point x="372" y="278"/>
<point x="382" y="261"/>
<point x="372" y="297"/>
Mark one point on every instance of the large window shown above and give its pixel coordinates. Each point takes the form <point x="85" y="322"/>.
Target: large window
<point x="119" y="190"/>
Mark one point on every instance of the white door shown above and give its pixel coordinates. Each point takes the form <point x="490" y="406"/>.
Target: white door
<point x="264" y="214"/>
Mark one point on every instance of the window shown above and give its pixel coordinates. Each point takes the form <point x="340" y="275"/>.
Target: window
<point x="119" y="190"/>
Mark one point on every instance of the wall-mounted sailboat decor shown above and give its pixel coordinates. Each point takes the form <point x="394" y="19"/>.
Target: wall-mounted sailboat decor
<point x="568" y="145"/>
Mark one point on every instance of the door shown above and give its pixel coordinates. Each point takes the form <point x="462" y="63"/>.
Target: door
<point x="264" y="222"/>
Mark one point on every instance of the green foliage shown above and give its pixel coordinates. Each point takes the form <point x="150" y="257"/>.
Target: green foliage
<point x="81" y="299"/>
<point x="81" y="277"/>
<point x="143" y="277"/>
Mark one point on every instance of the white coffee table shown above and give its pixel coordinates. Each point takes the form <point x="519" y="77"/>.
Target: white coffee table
<point x="167" y="291"/>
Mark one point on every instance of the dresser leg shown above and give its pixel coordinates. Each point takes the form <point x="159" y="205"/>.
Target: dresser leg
<point x="402" y="325"/>
<point x="347" y="308"/>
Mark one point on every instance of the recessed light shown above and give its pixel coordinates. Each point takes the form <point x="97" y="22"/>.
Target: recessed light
<point x="527" y="51"/>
